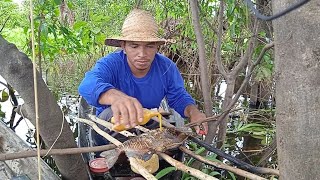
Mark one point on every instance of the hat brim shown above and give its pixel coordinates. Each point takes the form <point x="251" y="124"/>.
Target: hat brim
<point x="116" y="41"/>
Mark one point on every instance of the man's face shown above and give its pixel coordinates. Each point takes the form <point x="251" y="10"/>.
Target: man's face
<point x="140" y="56"/>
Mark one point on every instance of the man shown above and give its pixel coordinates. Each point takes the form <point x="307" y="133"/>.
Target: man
<point x="137" y="77"/>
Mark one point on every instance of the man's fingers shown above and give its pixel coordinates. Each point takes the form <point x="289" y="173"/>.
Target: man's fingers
<point x="205" y="128"/>
<point x="116" y="116"/>
<point x="132" y="114"/>
<point x="139" y="111"/>
<point x="197" y="129"/>
<point x="125" y="117"/>
<point x="129" y="109"/>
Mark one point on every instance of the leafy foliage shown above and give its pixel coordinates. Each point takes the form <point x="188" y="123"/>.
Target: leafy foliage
<point x="165" y="171"/>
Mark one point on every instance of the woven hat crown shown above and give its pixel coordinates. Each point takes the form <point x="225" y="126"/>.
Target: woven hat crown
<point x="139" y="25"/>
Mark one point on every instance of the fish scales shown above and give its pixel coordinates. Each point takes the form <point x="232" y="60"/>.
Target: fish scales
<point x="156" y="140"/>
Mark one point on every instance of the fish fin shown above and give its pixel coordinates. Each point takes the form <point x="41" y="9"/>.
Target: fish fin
<point x="144" y="155"/>
<point x="147" y="156"/>
<point x="111" y="156"/>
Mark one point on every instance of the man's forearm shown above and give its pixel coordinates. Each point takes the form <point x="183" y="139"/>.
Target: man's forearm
<point x="108" y="97"/>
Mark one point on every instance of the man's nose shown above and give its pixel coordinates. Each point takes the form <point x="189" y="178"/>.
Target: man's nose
<point x="142" y="52"/>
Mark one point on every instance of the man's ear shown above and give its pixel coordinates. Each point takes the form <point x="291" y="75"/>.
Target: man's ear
<point x="122" y="43"/>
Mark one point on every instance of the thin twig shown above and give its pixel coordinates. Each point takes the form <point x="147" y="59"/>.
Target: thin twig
<point x="212" y="118"/>
<point x="108" y="125"/>
<point x="4" y="24"/>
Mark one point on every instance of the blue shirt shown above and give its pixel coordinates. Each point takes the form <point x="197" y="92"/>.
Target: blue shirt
<point x="113" y="71"/>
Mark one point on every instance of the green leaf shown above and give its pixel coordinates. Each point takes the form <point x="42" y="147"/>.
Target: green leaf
<point x="248" y="127"/>
<point x="2" y="114"/>
<point x="4" y="96"/>
<point x="165" y="171"/>
<point x="258" y="137"/>
<point x="79" y="25"/>
<point x="214" y="173"/>
<point x="232" y="175"/>
<point x="57" y="2"/>
<point x="96" y="30"/>
<point x="190" y="178"/>
<point x="199" y="151"/>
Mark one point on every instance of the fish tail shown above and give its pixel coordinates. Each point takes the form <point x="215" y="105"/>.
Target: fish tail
<point x="111" y="156"/>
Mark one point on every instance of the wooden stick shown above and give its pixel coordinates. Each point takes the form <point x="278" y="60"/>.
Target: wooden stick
<point x="212" y="118"/>
<point x="222" y="165"/>
<point x="102" y="133"/>
<point x="141" y="128"/>
<point x="33" y="153"/>
<point x="107" y="125"/>
<point x="194" y="172"/>
<point x="143" y="171"/>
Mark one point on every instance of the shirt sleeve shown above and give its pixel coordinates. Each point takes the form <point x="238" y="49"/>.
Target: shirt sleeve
<point x="177" y="95"/>
<point x="97" y="81"/>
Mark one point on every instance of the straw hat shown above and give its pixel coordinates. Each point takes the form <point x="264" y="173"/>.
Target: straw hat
<point x="139" y="25"/>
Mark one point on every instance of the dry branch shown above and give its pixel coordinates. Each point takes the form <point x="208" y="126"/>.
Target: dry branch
<point x="223" y="166"/>
<point x="212" y="118"/>
<point x="102" y="133"/>
<point x="33" y="153"/>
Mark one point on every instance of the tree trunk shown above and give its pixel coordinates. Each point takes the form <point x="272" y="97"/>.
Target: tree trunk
<point x="297" y="61"/>
<point x="203" y="69"/>
<point x="16" y="68"/>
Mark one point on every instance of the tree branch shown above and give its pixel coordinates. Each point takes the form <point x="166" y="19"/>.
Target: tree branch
<point x="247" y="78"/>
<point x="33" y="153"/>
<point x="248" y="53"/>
<point x="218" y="50"/>
<point x="222" y="165"/>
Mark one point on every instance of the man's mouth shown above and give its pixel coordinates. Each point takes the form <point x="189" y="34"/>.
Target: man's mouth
<point x="142" y="62"/>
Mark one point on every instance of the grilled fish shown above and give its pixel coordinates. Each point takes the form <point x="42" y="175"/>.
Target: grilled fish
<point x="147" y="144"/>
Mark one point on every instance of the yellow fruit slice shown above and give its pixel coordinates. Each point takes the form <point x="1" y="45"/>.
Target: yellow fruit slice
<point x="147" y="115"/>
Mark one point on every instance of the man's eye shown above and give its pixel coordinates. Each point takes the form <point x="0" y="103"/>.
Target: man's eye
<point x="150" y="46"/>
<point x="133" y="46"/>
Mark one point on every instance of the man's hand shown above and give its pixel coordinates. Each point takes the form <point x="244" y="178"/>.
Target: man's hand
<point x="193" y="113"/>
<point x="126" y="110"/>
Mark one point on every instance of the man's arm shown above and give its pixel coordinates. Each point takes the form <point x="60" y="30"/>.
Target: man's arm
<point x="128" y="107"/>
